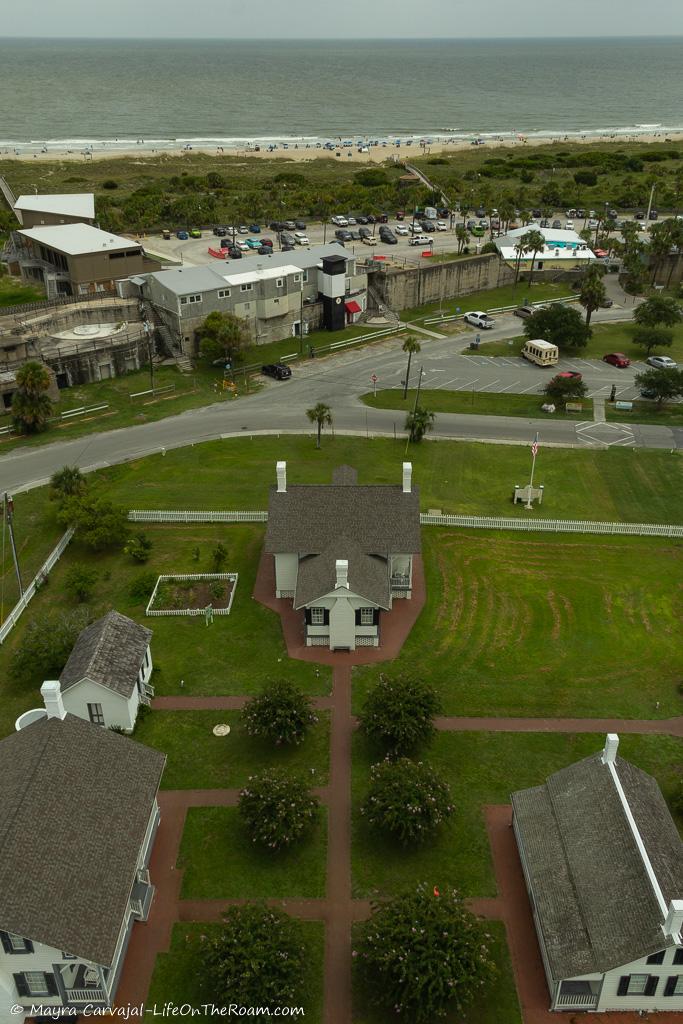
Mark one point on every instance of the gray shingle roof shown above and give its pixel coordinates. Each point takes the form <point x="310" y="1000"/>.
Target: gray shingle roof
<point x="595" y="903"/>
<point x="110" y="651"/>
<point x="75" y="802"/>
<point x="361" y="523"/>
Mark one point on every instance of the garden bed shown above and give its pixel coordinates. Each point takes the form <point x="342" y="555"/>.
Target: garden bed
<point x="193" y="594"/>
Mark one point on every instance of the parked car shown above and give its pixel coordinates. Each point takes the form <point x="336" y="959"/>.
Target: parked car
<point x="242" y="245"/>
<point x="617" y="359"/>
<point x="400" y="215"/>
<point x="557" y="224"/>
<point x="290" y="225"/>
<point x="268" y="242"/>
<point x="662" y="362"/>
<point x="479" y="319"/>
<point x="639" y="215"/>
<point x="606" y="303"/>
<point x="545" y="223"/>
<point x="243" y="230"/>
<point x="219" y="232"/>
<point x="401" y="229"/>
<point x="355" y="236"/>
<point x="361" y="220"/>
<point x="351" y="221"/>
<point x="195" y="233"/>
<point x="653" y="215"/>
<point x="388" y="237"/>
<point x="287" y="239"/>
<point x="569" y="225"/>
<point x="255" y="229"/>
<point x="166" y="234"/>
<point x="226" y="243"/>
<point x="264" y="250"/>
<point x="478" y="231"/>
<point x="364" y="232"/>
<point x="421" y="240"/>
<point x="581" y="214"/>
<point x="570" y="213"/>
<point x="471" y="224"/>
<point x="612" y="214"/>
<point x="301" y="238"/>
<point x="340" y="221"/>
<point x="441" y="225"/>
<point x="481" y="212"/>
<point x="568" y="375"/>
<point x="287" y="248"/>
<point x="254" y="243"/>
<point x="369" y="239"/>
<point x="428" y="225"/>
<point x="234" y="252"/>
<point x="383" y="218"/>
<point x="343" y="235"/>
<point x="648" y="393"/>
<point x="524" y="311"/>
<point x="592" y="223"/>
<point x="278" y="371"/>
<point x="371" y="219"/>
<point x="182" y="235"/>
<point x="300" y="225"/>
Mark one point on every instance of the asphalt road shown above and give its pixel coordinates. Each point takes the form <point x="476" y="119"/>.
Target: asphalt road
<point x="339" y="381"/>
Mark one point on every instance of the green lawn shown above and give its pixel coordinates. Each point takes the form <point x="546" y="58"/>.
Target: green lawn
<point x="491" y="299"/>
<point x="15" y="292"/>
<point x="235" y="655"/>
<point x="221" y="862"/>
<point x="548" y="625"/>
<point x="199" y="760"/>
<point x="179" y="975"/>
<point x="481" y="768"/>
<point x="479" y="403"/>
<point x="667" y="415"/>
<point x="606" y="338"/>
<point x="498" y="1004"/>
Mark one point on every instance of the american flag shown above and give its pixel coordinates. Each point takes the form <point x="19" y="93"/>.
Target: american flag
<point x="534" y="447"/>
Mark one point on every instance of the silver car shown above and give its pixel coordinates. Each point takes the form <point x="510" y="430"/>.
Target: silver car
<point x="662" y="362"/>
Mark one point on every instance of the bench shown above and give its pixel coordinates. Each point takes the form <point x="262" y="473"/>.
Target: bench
<point x="573" y="406"/>
<point x="623" y="406"/>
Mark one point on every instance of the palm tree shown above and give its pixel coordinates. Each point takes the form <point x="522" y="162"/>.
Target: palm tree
<point x="31" y="405"/>
<point x="67" y="482"/>
<point x="412" y="346"/>
<point x="592" y="293"/>
<point x="418" y="422"/>
<point x="320" y="414"/>
<point x="462" y="234"/>
<point x="521" y="249"/>
<point x="535" y="243"/>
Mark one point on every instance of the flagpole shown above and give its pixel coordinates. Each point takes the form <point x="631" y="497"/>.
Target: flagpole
<point x="534" y="452"/>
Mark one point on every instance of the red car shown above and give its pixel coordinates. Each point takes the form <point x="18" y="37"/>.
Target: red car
<point x="616" y="359"/>
<point x="568" y="375"/>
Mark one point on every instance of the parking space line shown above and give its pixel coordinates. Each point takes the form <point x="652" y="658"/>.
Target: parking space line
<point x="508" y="386"/>
<point x="469" y="384"/>
<point x="534" y="387"/>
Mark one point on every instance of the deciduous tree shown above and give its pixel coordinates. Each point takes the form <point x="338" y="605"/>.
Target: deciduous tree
<point x="560" y="325"/>
<point x="399" y="714"/>
<point x="281" y="713"/>
<point x="277" y="809"/>
<point x="406" y="800"/>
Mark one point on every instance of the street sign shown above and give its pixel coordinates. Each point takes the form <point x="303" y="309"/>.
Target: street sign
<point x="374" y="379"/>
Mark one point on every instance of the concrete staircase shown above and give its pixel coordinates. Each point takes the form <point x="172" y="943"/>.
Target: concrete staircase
<point x="377" y="312"/>
<point x="183" y="364"/>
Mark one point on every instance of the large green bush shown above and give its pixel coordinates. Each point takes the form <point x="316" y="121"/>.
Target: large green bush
<point x="399" y="714"/>
<point x="277" y="809"/>
<point x="281" y="713"/>
<point x="407" y="800"/>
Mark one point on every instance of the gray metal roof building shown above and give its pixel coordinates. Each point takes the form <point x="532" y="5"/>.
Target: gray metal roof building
<point x="110" y="652"/>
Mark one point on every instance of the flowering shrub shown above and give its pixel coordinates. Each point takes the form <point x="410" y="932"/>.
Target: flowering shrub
<point x="258" y="959"/>
<point x="407" y="799"/>
<point x="277" y="809"/>
<point x="280" y="713"/>
<point x="399" y="713"/>
<point x="424" y="955"/>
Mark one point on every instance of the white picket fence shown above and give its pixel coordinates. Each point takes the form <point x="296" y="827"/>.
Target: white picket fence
<point x="30" y="591"/>
<point x="553" y="525"/>
<point x="233" y="576"/>
<point x="153" y="516"/>
<point x="426" y="519"/>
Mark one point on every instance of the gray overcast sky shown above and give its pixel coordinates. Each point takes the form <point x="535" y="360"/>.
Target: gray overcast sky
<point x="316" y="19"/>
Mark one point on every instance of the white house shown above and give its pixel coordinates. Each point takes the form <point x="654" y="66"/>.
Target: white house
<point x="78" y="817"/>
<point x="107" y="675"/>
<point x="603" y="864"/>
<point x="562" y="250"/>
<point x="343" y="553"/>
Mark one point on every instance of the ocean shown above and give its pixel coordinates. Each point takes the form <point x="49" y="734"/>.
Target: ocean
<point x="164" y="94"/>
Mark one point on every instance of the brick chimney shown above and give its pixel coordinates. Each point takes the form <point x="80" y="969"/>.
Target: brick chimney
<point x="609" y="752"/>
<point x="342" y="567"/>
<point x="281" y="469"/>
<point x="673" y="925"/>
<point x="52" y="697"/>
<point x="407" y="477"/>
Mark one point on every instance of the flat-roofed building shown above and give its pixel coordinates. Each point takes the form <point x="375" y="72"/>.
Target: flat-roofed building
<point x="77" y="258"/>
<point x="34" y="211"/>
<point x="563" y="250"/>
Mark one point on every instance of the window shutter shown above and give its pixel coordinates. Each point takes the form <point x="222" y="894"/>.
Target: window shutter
<point x="670" y="987"/>
<point x="678" y="956"/>
<point x="6" y="944"/>
<point x="51" y="984"/>
<point x="20" y="982"/>
<point x="623" y="985"/>
<point x="307" y="616"/>
<point x="651" y="986"/>
<point x="326" y="617"/>
<point x="358" y="622"/>
<point x="375" y="617"/>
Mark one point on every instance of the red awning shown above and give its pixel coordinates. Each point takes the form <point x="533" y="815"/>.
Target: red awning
<point x="352" y="307"/>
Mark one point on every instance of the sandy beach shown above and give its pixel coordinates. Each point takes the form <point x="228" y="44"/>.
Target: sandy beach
<point x="439" y="145"/>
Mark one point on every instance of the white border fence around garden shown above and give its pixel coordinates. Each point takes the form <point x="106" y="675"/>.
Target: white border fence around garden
<point x="234" y="576"/>
<point x="30" y="591"/>
<point x="427" y="519"/>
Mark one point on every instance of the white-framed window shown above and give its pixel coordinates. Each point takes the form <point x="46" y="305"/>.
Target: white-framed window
<point x="297" y="278"/>
<point x="184" y="299"/>
<point x="247" y="305"/>
<point x="279" y="282"/>
<point x="317" y="616"/>
<point x="224" y="293"/>
<point x="305" y="276"/>
<point x="637" y="984"/>
<point x="96" y="714"/>
<point x="246" y="287"/>
<point x="36" y="983"/>
<point x="678" y="987"/>
<point x="17" y="942"/>
<point x="367" y="616"/>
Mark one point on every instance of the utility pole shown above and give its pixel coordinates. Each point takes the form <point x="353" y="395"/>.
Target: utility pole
<point x="9" y="519"/>
<point x="417" y="398"/>
<point x="649" y="203"/>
